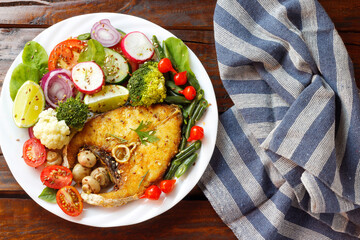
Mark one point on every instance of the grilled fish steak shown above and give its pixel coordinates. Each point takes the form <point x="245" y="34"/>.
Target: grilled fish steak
<point x="147" y="162"/>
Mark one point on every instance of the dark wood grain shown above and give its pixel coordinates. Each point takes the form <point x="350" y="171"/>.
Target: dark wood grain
<point x="175" y="13"/>
<point x="187" y="220"/>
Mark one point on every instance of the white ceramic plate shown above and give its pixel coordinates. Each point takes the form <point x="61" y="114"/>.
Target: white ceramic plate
<point x="12" y="137"/>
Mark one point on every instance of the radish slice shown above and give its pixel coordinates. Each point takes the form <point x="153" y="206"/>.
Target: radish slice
<point x="105" y="33"/>
<point x="137" y="47"/>
<point x="88" y="77"/>
<point x="57" y="86"/>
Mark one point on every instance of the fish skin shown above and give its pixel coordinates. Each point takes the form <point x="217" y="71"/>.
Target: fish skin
<point x="147" y="164"/>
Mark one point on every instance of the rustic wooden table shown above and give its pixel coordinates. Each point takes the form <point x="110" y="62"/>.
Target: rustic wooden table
<point x="190" y="20"/>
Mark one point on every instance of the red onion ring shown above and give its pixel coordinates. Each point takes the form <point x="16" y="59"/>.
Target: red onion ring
<point x="57" y="86"/>
<point x="105" y="33"/>
<point x="31" y="132"/>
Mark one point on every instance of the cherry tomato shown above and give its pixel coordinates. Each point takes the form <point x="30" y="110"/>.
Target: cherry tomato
<point x="165" y="66"/>
<point x="196" y="133"/>
<point x="65" y="54"/>
<point x="70" y="201"/>
<point x="180" y="78"/>
<point x="56" y="176"/>
<point x="167" y="185"/>
<point x="153" y="192"/>
<point x="189" y="92"/>
<point x="34" y="153"/>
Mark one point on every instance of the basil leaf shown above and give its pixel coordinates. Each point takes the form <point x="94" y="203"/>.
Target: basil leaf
<point x="48" y="195"/>
<point x="94" y="52"/>
<point x="35" y="55"/>
<point x="178" y="53"/>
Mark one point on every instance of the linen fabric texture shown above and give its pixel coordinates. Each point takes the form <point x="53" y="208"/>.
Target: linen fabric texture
<point x="286" y="162"/>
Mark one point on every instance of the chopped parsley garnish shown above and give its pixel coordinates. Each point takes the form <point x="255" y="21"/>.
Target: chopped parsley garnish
<point x="145" y="136"/>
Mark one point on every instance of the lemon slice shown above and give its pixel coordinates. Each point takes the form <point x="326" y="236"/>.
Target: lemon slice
<point x="109" y="98"/>
<point x="28" y="104"/>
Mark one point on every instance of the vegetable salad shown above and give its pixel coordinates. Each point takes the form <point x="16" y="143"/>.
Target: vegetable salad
<point x="94" y="73"/>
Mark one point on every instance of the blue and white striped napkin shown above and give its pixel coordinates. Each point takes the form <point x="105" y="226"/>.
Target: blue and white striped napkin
<point x="286" y="163"/>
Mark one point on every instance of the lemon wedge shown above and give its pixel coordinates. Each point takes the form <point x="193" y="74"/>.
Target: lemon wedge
<point x="28" y="104"/>
<point x="109" y="98"/>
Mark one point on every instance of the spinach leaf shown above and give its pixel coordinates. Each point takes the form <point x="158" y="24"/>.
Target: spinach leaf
<point x="177" y="52"/>
<point x="84" y="36"/>
<point x="94" y="52"/>
<point x="48" y="195"/>
<point x="35" y="55"/>
<point x="22" y="73"/>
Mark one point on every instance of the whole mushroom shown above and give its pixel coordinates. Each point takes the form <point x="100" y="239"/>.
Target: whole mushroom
<point x="90" y="185"/>
<point x="100" y="174"/>
<point x="86" y="158"/>
<point x="79" y="172"/>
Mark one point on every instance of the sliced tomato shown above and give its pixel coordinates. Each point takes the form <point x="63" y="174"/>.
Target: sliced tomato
<point x="70" y="201"/>
<point x="34" y="153"/>
<point x="65" y="54"/>
<point x="56" y="176"/>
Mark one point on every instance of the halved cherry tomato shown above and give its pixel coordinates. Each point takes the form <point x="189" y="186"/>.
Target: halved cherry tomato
<point x="196" y="133"/>
<point x="70" y="201"/>
<point x="165" y="66"/>
<point x="153" y="192"/>
<point x="167" y="185"/>
<point x="34" y="153"/>
<point x="56" y="176"/>
<point x="65" y="54"/>
<point x="180" y="78"/>
<point x="189" y="92"/>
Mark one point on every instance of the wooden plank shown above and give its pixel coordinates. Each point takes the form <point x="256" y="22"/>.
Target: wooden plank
<point x="176" y="13"/>
<point x="344" y="14"/>
<point x="171" y="14"/>
<point x="24" y="219"/>
<point x="8" y="184"/>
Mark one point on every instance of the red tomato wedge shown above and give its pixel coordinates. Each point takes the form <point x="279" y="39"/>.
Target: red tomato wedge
<point x="65" y="54"/>
<point x="70" y="201"/>
<point x="56" y="176"/>
<point x="34" y="153"/>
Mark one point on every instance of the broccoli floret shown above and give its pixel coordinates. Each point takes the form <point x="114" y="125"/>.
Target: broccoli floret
<point x="74" y="112"/>
<point x="147" y="85"/>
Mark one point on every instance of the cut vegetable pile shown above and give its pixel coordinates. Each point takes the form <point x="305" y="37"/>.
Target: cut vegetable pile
<point x="105" y="69"/>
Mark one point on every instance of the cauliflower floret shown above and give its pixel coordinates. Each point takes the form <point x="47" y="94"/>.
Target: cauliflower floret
<point x="54" y="134"/>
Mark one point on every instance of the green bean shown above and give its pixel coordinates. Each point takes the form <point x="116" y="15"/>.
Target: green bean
<point x="189" y="126"/>
<point x="173" y="167"/>
<point x="176" y="100"/>
<point x="84" y="36"/>
<point x="189" y="150"/>
<point x="185" y="165"/>
<point x="188" y="111"/>
<point x="158" y="49"/>
<point x="182" y="143"/>
<point x="203" y="105"/>
<point x="200" y="94"/>
<point x="171" y="84"/>
<point x="172" y="93"/>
